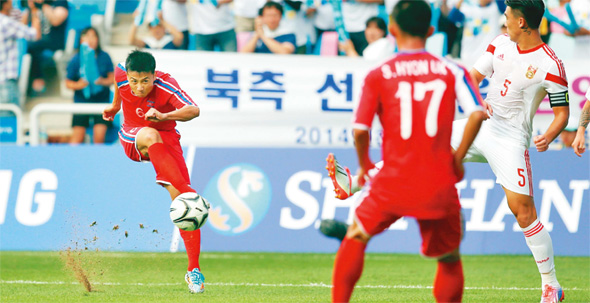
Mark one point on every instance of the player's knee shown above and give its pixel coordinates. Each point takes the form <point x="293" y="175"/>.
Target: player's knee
<point x="148" y="136"/>
<point x="355" y="232"/>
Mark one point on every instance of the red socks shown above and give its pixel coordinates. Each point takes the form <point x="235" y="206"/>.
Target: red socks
<point x="192" y="243"/>
<point x="167" y="168"/>
<point x="347" y="269"/>
<point x="448" y="283"/>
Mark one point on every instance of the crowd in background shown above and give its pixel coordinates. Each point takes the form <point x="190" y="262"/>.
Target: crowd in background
<point x="260" y="26"/>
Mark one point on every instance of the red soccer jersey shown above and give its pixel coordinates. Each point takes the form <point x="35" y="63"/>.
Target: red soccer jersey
<point x="166" y="96"/>
<point x="414" y="95"/>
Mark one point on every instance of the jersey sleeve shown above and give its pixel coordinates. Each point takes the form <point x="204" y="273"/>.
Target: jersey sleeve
<point x="484" y="65"/>
<point x="555" y="84"/>
<point x="365" y="112"/>
<point x="466" y="92"/>
<point x="121" y="75"/>
<point x="178" y="98"/>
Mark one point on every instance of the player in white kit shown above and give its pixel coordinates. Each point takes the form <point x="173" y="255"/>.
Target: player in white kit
<point x="522" y="71"/>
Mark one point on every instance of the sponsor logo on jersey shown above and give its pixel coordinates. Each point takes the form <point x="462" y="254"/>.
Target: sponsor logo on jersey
<point x="531" y="71"/>
<point x="501" y="57"/>
<point x="240" y="196"/>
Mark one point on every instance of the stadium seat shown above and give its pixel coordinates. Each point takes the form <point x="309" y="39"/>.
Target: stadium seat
<point x="242" y="38"/>
<point x="329" y="44"/>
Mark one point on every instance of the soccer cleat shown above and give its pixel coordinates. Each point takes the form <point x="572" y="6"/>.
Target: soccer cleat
<point x="340" y="178"/>
<point x="552" y="294"/>
<point x="195" y="280"/>
<point x="333" y="229"/>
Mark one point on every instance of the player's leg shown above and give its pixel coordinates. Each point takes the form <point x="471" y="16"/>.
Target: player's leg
<point x="191" y="239"/>
<point x="371" y="218"/>
<point x="150" y="144"/>
<point x="510" y="163"/>
<point x="539" y="242"/>
<point x="349" y="262"/>
<point x="440" y="240"/>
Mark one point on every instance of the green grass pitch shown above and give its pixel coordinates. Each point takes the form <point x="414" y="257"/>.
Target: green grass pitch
<point x="270" y="277"/>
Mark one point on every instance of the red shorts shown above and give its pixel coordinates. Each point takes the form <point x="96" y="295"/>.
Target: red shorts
<point x="170" y="138"/>
<point x="440" y="236"/>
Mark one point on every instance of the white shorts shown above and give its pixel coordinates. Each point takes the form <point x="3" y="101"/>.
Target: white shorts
<point x="508" y="158"/>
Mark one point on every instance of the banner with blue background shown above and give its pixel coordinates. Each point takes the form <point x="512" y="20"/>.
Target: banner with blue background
<point x="263" y="199"/>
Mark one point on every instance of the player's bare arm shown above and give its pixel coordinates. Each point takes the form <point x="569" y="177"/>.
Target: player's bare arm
<point x="362" y="141"/>
<point x="112" y="109"/>
<point x="471" y="129"/>
<point x="559" y="122"/>
<point x="477" y="77"/>
<point x="579" y="143"/>
<point x="186" y="113"/>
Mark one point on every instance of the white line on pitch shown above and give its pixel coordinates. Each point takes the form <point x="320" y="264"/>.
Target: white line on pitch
<point x="275" y="285"/>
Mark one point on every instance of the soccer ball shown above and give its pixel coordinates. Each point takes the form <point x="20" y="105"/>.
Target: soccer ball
<point x="189" y="211"/>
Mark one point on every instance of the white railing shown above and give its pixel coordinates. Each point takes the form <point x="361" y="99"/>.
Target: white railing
<point x="72" y="108"/>
<point x="19" y="119"/>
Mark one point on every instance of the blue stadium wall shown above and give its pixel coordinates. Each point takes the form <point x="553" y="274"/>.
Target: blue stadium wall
<point x="93" y="197"/>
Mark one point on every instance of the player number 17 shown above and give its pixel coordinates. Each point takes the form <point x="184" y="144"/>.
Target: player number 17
<point x="404" y="94"/>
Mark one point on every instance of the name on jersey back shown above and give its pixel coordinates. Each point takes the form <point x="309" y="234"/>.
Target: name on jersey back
<point x="414" y="68"/>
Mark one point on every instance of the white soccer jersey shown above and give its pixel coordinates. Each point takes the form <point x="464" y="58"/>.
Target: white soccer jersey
<point x="519" y="82"/>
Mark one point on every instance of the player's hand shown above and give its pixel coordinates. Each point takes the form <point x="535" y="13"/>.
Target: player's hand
<point x="487" y="110"/>
<point x="459" y="168"/>
<point x="154" y="115"/>
<point x="108" y="114"/>
<point x="579" y="143"/>
<point x="541" y="143"/>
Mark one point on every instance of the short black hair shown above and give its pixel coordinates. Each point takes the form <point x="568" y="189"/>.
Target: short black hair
<point x="413" y="17"/>
<point x="380" y="24"/>
<point x="140" y="61"/>
<point x="271" y="4"/>
<point x="531" y="10"/>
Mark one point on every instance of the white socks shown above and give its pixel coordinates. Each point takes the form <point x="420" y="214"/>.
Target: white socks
<point x="539" y="242"/>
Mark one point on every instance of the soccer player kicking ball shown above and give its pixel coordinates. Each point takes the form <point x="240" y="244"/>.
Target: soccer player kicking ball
<point x="414" y="95"/>
<point x="523" y="70"/>
<point x="579" y="143"/>
<point x="152" y="103"/>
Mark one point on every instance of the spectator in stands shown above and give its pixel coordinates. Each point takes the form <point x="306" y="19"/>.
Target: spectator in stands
<point x="268" y="37"/>
<point x="174" y="12"/>
<point x="77" y="81"/>
<point x="53" y="15"/>
<point x="323" y="17"/>
<point x="355" y="15"/>
<point x="561" y="13"/>
<point x="581" y="10"/>
<point x="157" y="38"/>
<point x="245" y="11"/>
<point x="10" y="31"/>
<point x="213" y="25"/>
<point x="481" y="24"/>
<point x="379" y="47"/>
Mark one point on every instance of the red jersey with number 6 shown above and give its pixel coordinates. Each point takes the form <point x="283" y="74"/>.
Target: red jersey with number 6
<point x="414" y="96"/>
<point x="166" y="96"/>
